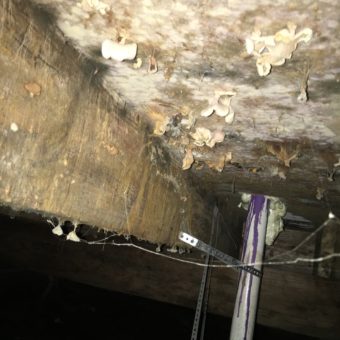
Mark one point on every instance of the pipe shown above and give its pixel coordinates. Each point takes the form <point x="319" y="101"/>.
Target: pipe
<point x="249" y="285"/>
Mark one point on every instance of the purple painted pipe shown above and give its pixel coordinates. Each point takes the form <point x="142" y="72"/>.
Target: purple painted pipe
<point x="242" y="327"/>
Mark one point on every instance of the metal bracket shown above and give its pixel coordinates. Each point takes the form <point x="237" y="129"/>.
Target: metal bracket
<point x="227" y="259"/>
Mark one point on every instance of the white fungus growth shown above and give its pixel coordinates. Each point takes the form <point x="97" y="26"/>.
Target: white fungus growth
<point x="277" y="210"/>
<point x="89" y="5"/>
<point x="57" y="230"/>
<point x="203" y="136"/>
<point x="221" y="106"/>
<point x="72" y="236"/>
<point x="117" y="51"/>
<point x="217" y="136"/>
<point x="138" y="63"/>
<point x="245" y="200"/>
<point x="331" y="215"/>
<point x="274" y="50"/>
<point x="172" y="250"/>
<point x="14" y="127"/>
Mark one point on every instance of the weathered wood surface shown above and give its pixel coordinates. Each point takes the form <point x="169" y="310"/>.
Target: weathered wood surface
<point x="84" y="154"/>
<point x="199" y="48"/>
<point x="72" y="150"/>
<point x="294" y="301"/>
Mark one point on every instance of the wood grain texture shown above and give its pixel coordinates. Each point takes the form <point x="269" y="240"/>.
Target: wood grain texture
<point x="76" y="153"/>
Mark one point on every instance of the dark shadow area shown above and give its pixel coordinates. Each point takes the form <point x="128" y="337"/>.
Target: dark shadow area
<point x="38" y="306"/>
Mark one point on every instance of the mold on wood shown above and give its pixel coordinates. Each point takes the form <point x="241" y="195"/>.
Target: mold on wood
<point x="199" y="48"/>
<point x="72" y="150"/>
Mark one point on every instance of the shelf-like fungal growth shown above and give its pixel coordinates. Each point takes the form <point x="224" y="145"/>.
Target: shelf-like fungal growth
<point x="274" y="50"/>
<point x="203" y="136"/>
<point x="221" y="106"/>
<point x="117" y="51"/>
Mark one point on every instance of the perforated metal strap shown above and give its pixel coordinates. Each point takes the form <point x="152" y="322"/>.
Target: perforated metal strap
<point x="227" y="259"/>
<point x="204" y="289"/>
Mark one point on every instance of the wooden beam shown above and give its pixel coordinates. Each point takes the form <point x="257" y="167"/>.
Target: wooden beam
<point x="294" y="301"/>
<point x="71" y="149"/>
<point x="75" y="151"/>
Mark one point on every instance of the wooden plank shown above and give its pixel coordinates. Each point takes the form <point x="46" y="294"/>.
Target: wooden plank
<point x="80" y="153"/>
<point x="296" y="302"/>
<point x="72" y="150"/>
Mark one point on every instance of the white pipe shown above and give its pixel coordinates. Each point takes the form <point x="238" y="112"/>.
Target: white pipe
<point x="245" y="308"/>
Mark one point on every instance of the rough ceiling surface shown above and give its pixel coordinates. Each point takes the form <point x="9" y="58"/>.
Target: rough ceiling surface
<point x="237" y="96"/>
<point x="199" y="47"/>
<point x="213" y="98"/>
<point x="193" y="56"/>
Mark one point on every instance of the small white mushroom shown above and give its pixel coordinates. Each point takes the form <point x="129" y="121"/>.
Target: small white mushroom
<point x="263" y="69"/>
<point x="137" y="64"/>
<point x="217" y="136"/>
<point x="249" y="45"/>
<point x="277" y="210"/>
<point x="72" y="236"/>
<point x="119" y="52"/>
<point x="173" y="249"/>
<point x="221" y="106"/>
<point x="230" y="117"/>
<point x="274" y="50"/>
<point x="97" y="5"/>
<point x="57" y="230"/>
<point x="201" y="136"/>
<point x="257" y="43"/>
<point x="208" y="112"/>
<point x="331" y="215"/>
<point x="14" y="127"/>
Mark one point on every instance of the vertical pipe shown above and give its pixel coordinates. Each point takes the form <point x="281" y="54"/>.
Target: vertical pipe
<point x="242" y="327"/>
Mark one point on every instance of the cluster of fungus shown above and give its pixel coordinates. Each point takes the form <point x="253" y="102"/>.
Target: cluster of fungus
<point x="221" y="106"/>
<point x="97" y="5"/>
<point x="273" y="50"/>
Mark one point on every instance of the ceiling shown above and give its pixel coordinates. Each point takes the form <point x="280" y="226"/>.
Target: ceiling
<point x="144" y="146"/>
<point x="201" y="90"/>
<point x="286" y="124"/>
